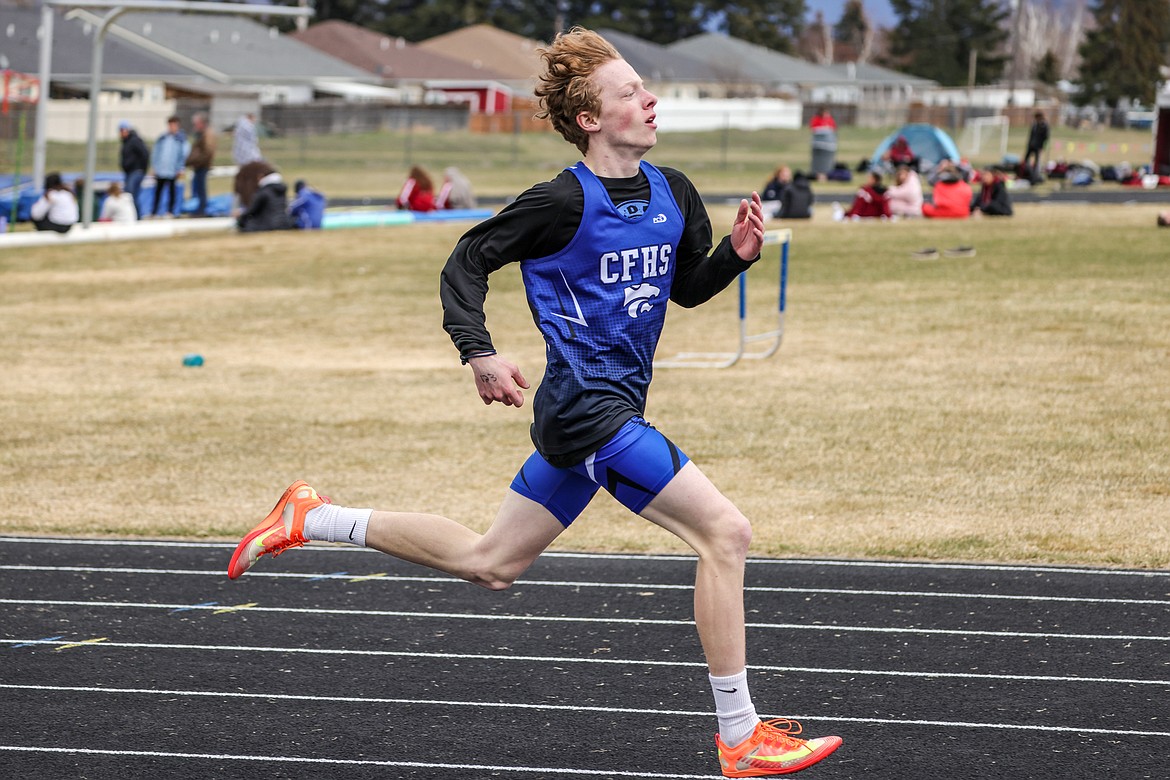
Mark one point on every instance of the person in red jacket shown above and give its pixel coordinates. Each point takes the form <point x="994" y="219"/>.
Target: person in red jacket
<point x="418" y="192"/>
<point x="951" y="198"/>
<point x="900" y="153"/>
<point x="870" y="201"/>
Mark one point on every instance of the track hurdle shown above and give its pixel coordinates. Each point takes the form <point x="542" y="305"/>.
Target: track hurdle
<point x="770" y="339"/>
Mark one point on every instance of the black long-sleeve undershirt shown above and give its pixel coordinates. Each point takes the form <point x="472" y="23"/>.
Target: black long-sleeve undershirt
<point x="543" y="220"/>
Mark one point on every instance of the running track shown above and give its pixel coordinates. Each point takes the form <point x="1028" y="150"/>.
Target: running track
<point x="132" y="659"/>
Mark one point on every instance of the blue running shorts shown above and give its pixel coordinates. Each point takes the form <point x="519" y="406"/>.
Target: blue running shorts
<point x="633" y="466"/>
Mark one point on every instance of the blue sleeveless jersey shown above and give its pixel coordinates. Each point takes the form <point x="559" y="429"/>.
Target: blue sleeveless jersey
<point x="600" y="304"/>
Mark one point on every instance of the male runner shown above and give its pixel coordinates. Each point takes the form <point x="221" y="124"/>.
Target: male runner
<point x="602" y="248"/>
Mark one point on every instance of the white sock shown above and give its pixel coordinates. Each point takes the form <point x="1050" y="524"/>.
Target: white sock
<point x="734" y="708"/>
<point x="332" y="523"/>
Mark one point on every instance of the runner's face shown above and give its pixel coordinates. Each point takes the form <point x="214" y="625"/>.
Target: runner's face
<point x="626" y="116"/>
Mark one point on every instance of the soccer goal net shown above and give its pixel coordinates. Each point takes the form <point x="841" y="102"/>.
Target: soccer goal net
<point x="985" y="135"/>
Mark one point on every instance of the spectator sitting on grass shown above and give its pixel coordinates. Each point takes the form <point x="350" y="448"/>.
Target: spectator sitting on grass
<point x="56" y="209"/>
<point x="796" y="201"/>
<point x="951" y="197"/>
<point x="418" y="192"/>
<point x="308" y="207"/>
<point x="905" y="194"/>
<point x="774" y="189"/>
<point x="456" y="192"/>
<point x="900" y="154"/>
<point x="992" y="199"/>
<point x="870" y="201"/>
<point x="118" y="206"/>
<point x="269" y="207"/>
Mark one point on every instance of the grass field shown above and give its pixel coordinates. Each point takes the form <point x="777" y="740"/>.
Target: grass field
<point x="1012" y="406"/>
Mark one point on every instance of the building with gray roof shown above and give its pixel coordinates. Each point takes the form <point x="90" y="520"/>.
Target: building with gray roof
<point x="880" y="95"/>
<point x="754" y="68"/>
<point x="235" y="50"/>
<point x="668" y="73"/>
<point x="20" y="47"/>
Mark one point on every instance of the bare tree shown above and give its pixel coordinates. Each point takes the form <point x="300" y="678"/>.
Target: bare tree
<point x="816" y="42"/>
<point x="1044" y="26"/>
<point x="867" y="44"/>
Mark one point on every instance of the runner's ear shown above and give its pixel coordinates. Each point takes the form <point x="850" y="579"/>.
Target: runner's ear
<point x="587" y="122"/>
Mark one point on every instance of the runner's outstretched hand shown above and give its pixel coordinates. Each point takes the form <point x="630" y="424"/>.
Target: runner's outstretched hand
<point x="497" y="379"/>
<point x="747" y="234"/>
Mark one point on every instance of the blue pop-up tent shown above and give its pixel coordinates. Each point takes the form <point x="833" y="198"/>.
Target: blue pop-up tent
<point x="929" y="144"/>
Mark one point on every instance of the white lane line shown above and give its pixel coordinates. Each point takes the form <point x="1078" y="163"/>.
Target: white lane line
<point x="643" y="586"/>
<point x="602" y="621"/>
<point x="573" y="708"/>
<point x="345" y="549"/>
<point x="549" y="771"/>
<point x="539" y="659"/>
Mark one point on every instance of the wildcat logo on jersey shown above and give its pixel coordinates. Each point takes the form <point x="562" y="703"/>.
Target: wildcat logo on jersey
<point x="639" y="299"/>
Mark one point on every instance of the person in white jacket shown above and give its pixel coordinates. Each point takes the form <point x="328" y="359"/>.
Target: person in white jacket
<point x="905" y="195"/>
<point x="56" y="209"/>
<point x="118" y="206"/>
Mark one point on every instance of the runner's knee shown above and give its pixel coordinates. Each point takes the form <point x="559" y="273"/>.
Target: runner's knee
<point x="496" y="575"/>
<point x="742" y="531"/>
<point x="731" y="536"/>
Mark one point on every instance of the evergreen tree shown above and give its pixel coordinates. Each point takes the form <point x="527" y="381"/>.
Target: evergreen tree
<point x="1048" y="69"/>
<point x="772" y="23"/>
<point x="1120" y="57"/>
<point x="776" y="24"/>
<point x="660" y="21"/>
<point x="853" y="25"/>
<point x="934" y="39"/>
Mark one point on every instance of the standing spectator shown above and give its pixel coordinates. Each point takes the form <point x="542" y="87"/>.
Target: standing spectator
<point x="168" y="160"/>
<point x="456" y="192"/>
<point x="905" y="194"/>
<point x="245" y="141"/>
<point x="870" y="201"/>
<point x="951" y="197"/>
<point x="1037" y="140"/>
<point x="199" y="160"/>
<point x="307" y="210"/>
<point x="992" y="199"/>
<point x="824" y="143"/>
<point x="56" y="209"/>
<point x="135" y="159"/>
<point x="418" y="192"/>
<point x="118" y="206"/>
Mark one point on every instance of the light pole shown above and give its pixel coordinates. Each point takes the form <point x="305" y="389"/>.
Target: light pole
<point x="114" y="9"/>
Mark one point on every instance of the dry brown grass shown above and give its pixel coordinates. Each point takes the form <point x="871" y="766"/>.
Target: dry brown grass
<point x="1012" y="406"/>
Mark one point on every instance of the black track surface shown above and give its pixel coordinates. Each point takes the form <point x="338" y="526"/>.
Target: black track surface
<point x="142" y="660"/>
